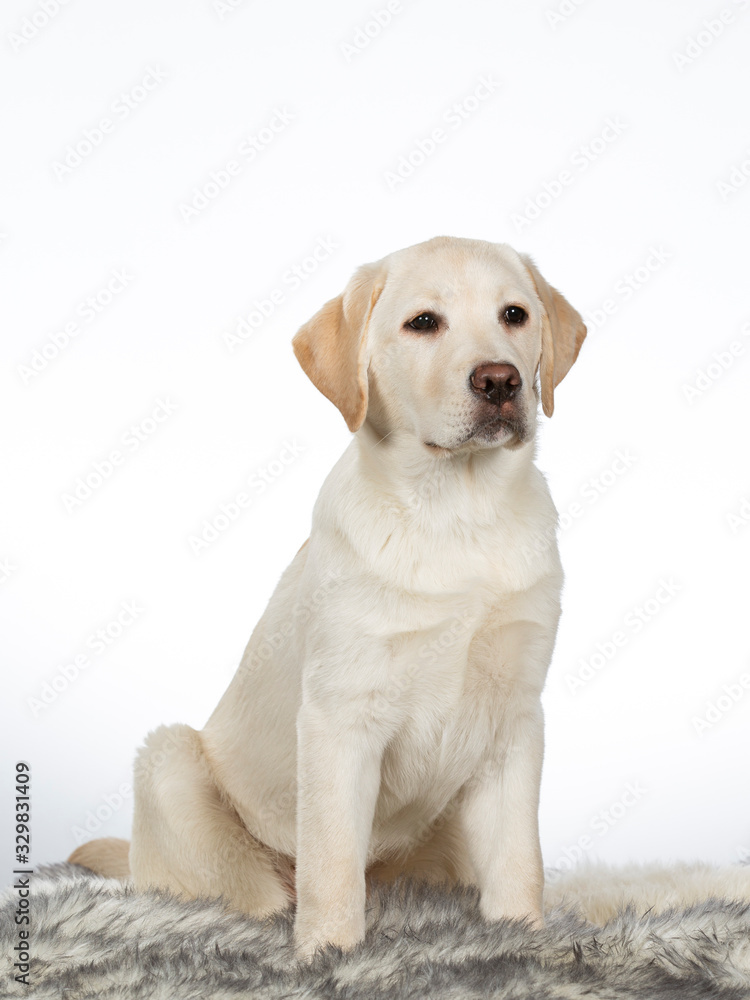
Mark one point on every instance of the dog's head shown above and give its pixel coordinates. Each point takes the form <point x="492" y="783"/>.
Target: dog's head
<point x="443" y="340"/>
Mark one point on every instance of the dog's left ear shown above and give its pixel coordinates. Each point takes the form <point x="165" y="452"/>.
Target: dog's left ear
<point x="332" y="346"/>
<point x="563" y="332"/>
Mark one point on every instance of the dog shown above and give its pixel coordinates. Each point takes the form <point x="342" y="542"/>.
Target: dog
<point x="385" y="719"/>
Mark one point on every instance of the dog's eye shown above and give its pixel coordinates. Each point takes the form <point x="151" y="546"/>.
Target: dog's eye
<point x="515" y="315"/>
<point x="425" y="321"/>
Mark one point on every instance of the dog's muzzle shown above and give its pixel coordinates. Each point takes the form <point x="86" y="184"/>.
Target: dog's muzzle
<point x="497" y="388"/>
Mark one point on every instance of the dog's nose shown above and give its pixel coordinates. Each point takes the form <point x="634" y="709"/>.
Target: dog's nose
<point x="497" y="383"/>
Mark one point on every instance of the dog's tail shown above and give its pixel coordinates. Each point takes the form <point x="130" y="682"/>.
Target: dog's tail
<point x="107" y="856"/>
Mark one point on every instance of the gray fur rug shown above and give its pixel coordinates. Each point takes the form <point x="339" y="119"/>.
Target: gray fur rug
<point x="92" y="937"/>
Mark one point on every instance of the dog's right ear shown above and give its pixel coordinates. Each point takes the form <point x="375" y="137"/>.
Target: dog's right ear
<point x="332" y="346"/>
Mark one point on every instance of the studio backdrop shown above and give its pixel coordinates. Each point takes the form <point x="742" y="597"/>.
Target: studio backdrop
<point x="185" y="182"/>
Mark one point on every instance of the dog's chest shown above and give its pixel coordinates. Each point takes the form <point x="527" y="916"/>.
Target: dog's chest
<point x="447" y="703"/>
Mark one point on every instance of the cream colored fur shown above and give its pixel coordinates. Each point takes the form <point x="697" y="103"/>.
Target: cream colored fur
<point x="386" y="714"/>
<point x="598" y="891"/>
<point x="107" y="856"/>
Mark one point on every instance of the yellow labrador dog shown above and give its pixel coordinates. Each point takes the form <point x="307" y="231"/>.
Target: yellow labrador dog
<point x="386" y="714"/>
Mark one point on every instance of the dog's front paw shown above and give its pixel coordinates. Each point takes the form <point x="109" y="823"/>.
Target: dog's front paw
<point x="308" y="940"/>
<point x="305" y="948"/>
<point x="513" y="909"/>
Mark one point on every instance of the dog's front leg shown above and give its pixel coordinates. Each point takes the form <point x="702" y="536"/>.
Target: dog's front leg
<point x="339" y="779"/>
<point x="500" y="814"/>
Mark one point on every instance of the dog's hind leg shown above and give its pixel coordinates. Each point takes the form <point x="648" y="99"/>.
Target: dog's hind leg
<point x="187" y="838"/>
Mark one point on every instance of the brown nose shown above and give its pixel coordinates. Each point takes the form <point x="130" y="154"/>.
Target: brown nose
<point x="497" y="383"/>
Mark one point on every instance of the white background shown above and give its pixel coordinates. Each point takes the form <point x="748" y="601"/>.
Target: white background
<point x="682" y="127"/>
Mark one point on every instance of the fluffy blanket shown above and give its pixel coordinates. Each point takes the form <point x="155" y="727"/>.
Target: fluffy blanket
<point x="93" y="937"/>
